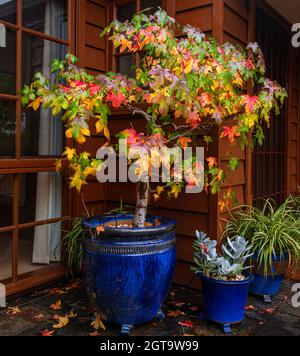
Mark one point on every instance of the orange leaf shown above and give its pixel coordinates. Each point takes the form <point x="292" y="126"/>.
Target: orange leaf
<point x="212" y="162"/>
<point x="47" y="333"/>
<point x="56" y="305"/>
<point x="95" y="333"/>
<point x="97" y="323"/>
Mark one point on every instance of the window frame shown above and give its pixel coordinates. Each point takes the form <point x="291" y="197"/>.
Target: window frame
<point x="22" y="165"/>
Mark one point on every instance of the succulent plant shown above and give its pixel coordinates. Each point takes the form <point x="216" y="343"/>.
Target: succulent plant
<point x="230" y="264"/>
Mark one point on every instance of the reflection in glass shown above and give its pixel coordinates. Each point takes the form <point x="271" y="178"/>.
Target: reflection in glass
<point x="6" y="244"/>
<point x="126" y="65"/>
<point x="8" y="10"/>
<point x="8" y="64"/>
<point x="7" y="128"/>
<point x="34" y="253"/>
<point x="42" y="135"/>
<point x="151" y="4"/>
<point x="40" y="196"/>
<point x="6" y="199"/>
<point x="125" y="12"/>
<point x="47" y="16"/>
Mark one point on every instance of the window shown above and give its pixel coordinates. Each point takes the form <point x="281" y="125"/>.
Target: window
<point x="269" y="160"/>
<point x="32" y="198"/>
<point x="125" y="63"/>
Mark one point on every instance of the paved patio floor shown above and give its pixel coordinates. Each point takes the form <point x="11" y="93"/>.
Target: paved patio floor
<point x="41" y="311"/>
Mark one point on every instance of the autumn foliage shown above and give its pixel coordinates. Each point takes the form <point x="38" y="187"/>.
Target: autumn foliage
<point x="188" y="85"/>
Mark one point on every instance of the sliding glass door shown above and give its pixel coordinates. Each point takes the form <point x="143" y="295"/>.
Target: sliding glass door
<point x="32" y="198"/>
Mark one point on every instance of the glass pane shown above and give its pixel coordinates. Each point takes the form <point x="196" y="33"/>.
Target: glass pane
<point x="42" y="135"/>
<point x="6" y="244"/>
<point x="47" y="16"/>
<point x="126" y="12"/>
<point x="39" y="246"/>
<point x="126" y="65"/>
<point x="8" y="64"/>
<point x="151" y="4"/>
<point x="7" y="128"/>
<point x="6" y="199"/>
<point x="40" y="196"/>
<point x="8" y="10"/>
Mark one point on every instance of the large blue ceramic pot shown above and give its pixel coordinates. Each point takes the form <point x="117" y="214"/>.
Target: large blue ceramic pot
<point x="268" y="285"/>
<point x="225" y="301"/>
<point x="128" y="271"/>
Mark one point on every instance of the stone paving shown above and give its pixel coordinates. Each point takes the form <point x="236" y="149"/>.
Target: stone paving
<point x="41" y="311"/>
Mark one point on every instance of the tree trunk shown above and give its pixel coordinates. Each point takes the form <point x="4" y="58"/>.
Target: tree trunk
<point x="141" y="204"/>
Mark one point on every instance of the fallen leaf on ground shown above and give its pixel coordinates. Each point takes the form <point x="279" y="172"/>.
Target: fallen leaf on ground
<point x="270" y="310"/>
<point x="95" y="333"/>
<point x="186" y="323"/>
<point x="39" y="317"/>
<point x="62" y="321"/>
<point x="47" y="333"/>
<point x="72" y="314"/>
<point x="174" y="313"/>
<point x="56" y="305"/>
<point x="250" y="307"/>
<point x="97" y="323"/>
<point x="13" y="310"/>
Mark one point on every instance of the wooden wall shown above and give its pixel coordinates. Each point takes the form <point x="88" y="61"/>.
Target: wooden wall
<point x="293" y="170"/>
<point x="92" y="17"/>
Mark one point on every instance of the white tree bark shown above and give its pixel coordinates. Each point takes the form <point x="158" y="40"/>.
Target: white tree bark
<point x="141" y="204"/>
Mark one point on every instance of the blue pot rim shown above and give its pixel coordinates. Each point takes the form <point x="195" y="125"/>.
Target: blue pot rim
<point x="167" y="224"/>
<point x="218" y="281"/>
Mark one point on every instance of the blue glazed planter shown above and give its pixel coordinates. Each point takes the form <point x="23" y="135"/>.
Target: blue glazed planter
<point x="269" y="285"/>
<point x="225" y="301"/>
<point x="128" y="271"/>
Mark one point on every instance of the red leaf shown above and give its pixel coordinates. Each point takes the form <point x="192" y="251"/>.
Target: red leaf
<point x="47" y="333"/>
<point x="186" y="323"/>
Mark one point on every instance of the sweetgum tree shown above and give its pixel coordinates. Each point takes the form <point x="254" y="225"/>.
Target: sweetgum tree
<point x="183" y="87"/>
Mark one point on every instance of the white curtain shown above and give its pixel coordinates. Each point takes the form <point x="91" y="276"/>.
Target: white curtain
<point x="46" y="247"/>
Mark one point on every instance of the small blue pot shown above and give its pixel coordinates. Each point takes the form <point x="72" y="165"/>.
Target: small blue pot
<point x="270" y="284"/>
<point x="225" y="301"/>
<point x="128" y="271"/>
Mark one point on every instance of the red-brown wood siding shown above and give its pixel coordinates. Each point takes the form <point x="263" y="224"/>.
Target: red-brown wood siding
<point x="92" y="17"/>
<point x="293" y="179"/>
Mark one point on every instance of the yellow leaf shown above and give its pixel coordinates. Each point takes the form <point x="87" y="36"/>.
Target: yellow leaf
<point x="13" y="311"/>
<point x="106" y="133"/>
<point x="176" y="189"/>
<point x="97" y="323"/>
<point x="99" y="126"/>
<point x="189" y="66"/>
<point x="58" y="165"/>
<point x="71" y="314"/>
<point x="160" y="189"/>
<point x="56" y="305"/>
<point x="70" y="153"/>
<point x="61" y="322"/>
<point x="85" y="132"/>
<point x="89" y="171"/>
